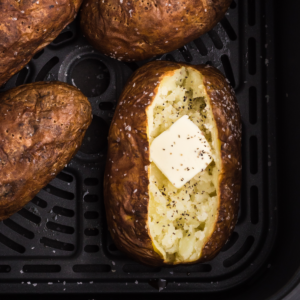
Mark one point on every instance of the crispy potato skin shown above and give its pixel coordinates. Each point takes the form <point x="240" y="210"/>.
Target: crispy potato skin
<point x="136" y="29"/>
<point x="128" y="154"/>
<point x="41" y="127"/>
<point x="28" y="26"/>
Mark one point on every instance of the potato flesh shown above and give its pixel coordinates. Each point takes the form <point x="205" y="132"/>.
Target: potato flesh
<point x="180" y="220"/>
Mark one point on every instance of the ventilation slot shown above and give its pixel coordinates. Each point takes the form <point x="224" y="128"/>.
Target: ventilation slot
<point x="47" y="68"/>
<point x="113" y="248"/>
<point x="39" y="202"/>
<point x="106" y="106"/>
<point x="252" y="105"/>
<point x="139" y="269"/>
<point x="58" y="192"/>
<point x="91" y="232"/>
<point x="11" y="244"/>
<point x="132" y="65"/>
<point x="65" y="177"/>
<point x="252" y="56"/>
<point x="95" y="139"/>
<point x="63" y="211"/>
<point x="91" y="268"/>
<point x="199" y="268"/>
<point x="19" y="229"/>
<point x="216" y="39"/>
<point x="91" y="181"/>
<point x="233" y="5"/>
<point x="253" y="155"/>
<point x="228" y="69"/>
<point x="232" y="240"/>
<point x="38" y="54"/>
<point x="201" y="47"/>
<point x="228" y="28"/>
<point x="90" y="198"/>
<point x="5" y="269"/>
<point x="63" y="38"/>
<point x="90" y="215"/>
<point x="23" y="75"/>
<point x="170" y="57"/>
<point x="251" y="12"/>
<point x="240" y="253"/>
<point x="254" y="204"/>
<point x="41" y="269"/>
<point x="91" y="248"/>
<point x="244" y="193"/>
<point x="60" y="228"/>
<point x="57" y="245"/>
<point x="186" y="53"/>
<point x="29" y="216"/>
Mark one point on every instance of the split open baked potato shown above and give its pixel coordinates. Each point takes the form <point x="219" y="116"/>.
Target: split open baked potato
<point x="41" y="127"/>
<point x="150" y="217"/>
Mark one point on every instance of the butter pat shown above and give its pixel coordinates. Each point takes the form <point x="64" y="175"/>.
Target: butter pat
<point x="181" y="152"/>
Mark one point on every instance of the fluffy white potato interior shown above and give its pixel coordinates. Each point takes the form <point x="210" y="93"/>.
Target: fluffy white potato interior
<point x="181" y="220"/>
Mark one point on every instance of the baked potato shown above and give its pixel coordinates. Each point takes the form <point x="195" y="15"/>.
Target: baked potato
<point x="162" y="216"/>
<point x="28" y="26"/>
<point x="41" y="127"/>
<point x="137" y="29"/>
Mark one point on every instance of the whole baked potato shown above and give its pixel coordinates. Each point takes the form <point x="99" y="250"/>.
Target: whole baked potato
<point x="173" y="174"/>
<point x="41" y="127"/>
<point x="136" y="29"/>
<point x="27" y="26"/>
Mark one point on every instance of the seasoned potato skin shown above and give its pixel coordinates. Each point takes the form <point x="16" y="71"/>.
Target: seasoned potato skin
<point x="28" y="26"/>
<point x="128" y="154"/>
<point x="136" y="29"/>
<point x="41" y="127"/>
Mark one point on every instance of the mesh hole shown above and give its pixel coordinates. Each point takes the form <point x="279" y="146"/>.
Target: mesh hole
<point x="254" y="204"/>
<point x="41" y="269"/>
<point x="252" y="56"/>
<point x="251" y="12"/>
<point x="231" y="241"/>
<point x="47" y="68"/>
<point x="63" y="211"/>
<point x="136" y="268"/>
<point x="29" y="216"/>
<point x="5" y="269"/>
<point x="11" y="244"/>
<point x="240" y="253"/>
<point x="91" y="248"/>
<point x="60" y="228"/>
<point x="91" y="231"/>
<point x="253" y="155"/>
<point x="91" y="268"/>
<point x="228" y="69"/>
<point x="56" y="244"/>
<point x="216" y="39"/>
<point x="252" y="105"/>
<point x="19" y="229"/>
<point x="186" y="53"/>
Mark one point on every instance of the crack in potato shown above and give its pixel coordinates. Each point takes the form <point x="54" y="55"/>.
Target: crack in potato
<point x="180" y="220"/>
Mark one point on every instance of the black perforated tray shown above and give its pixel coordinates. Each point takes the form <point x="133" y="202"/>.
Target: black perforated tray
<point x="60" y="243"/>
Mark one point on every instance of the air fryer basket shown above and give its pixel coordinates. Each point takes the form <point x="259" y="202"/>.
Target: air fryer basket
<point x="60" y="243"/>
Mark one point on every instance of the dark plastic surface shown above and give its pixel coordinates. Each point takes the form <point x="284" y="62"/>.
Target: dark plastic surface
<point x="59" y="242"/>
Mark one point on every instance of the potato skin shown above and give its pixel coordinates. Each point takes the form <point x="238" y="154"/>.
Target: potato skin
<point x="128" y="154"/>
<point x="41" y="127"/>
<point x="137" y="29"/>
<point x="28" y="26"/>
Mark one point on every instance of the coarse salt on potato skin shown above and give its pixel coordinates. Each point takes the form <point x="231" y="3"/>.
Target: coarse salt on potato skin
<point x="126" y="182"/>
<point x="138" y="29"/>
<point x="27" y="26"/>
<point x="42" y="126"/>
